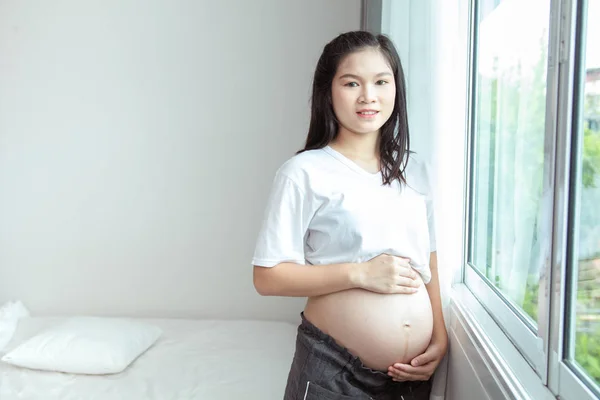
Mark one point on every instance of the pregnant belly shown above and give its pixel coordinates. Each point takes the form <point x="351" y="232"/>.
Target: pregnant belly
<point x="380" y="329"/>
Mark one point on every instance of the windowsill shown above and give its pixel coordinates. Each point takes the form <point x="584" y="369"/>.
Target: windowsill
<point x="516" y="375"/>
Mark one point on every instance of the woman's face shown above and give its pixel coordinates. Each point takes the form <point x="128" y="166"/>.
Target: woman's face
<point x="363" y="91"/>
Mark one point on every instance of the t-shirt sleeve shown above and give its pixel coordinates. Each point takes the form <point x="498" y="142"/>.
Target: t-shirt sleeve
<point x="429" y="202"/>
<point x="420" y="179"/>
<point x="284" y="226"/>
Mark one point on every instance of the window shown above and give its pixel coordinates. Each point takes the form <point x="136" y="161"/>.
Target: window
<point x="509" y="236"/>
<point x="533" y="244"/>
<point x="509" y="157"/>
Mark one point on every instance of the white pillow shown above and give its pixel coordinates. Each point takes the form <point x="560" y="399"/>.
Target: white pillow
<point x="86" y="345"/>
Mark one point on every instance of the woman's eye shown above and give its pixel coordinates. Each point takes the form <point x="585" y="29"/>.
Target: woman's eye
<point x="382" y="82"/>
<point x="352" y="84"/>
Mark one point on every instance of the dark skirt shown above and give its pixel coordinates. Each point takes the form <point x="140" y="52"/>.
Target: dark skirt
<point x="324" y="370"/>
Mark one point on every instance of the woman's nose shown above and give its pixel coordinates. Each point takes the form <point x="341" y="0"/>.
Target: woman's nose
<point x="367" y="95"/>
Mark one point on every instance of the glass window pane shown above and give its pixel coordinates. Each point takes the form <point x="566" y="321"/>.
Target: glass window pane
<point x="508" y="238"/>
<point x="586" y="253"/>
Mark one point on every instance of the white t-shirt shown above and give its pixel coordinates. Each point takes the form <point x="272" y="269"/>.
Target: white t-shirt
<point x="324" y="208"/>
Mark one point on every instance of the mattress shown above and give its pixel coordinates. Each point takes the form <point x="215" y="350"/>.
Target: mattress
<point x="193" y="359"/>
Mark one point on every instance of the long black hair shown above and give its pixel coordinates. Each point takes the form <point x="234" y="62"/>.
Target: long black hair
<point x="394" y="142"/>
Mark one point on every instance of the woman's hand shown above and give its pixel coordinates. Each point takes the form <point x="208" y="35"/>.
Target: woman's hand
<point x="388" y="274"/>
<point x="422" y="367"/>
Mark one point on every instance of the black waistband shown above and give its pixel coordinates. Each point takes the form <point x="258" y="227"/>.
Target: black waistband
<point x="364" y="374"/>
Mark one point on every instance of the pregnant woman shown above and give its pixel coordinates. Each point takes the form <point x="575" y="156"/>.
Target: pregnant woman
<point x="349" y="224"/>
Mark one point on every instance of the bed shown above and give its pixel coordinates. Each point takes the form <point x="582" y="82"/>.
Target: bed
<point x="193" y="359"/>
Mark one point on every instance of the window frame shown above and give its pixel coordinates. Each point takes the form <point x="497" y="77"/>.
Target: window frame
<point x="565" y="380"/>
<point x="516" y="349"/>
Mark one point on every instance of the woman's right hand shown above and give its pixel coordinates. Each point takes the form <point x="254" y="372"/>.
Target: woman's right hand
<point x="388" y="274"/>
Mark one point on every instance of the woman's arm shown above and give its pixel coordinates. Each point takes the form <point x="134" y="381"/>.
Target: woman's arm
<point x="382" y="274"/>
<point x="290" y="279"/>
<point x="433" y="288"/>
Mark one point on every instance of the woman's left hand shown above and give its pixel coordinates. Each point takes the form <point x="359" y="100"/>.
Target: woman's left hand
<point x="422" y="367"/>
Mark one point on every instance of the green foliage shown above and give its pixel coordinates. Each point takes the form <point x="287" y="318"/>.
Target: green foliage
<point x="530" y="302"/>
<point x="587" y="353"/>
<point x="587" y="344"/>
<point x="591" y="158"/>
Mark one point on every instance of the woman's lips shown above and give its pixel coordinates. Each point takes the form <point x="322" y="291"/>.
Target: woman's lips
<point x="367" y="114"/>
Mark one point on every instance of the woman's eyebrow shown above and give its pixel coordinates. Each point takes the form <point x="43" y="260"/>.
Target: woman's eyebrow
<point x="356" y="77"/>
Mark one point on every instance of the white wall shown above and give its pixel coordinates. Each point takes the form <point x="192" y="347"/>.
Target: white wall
<point x="138" y="140"/>
<point x="470" y="377"/>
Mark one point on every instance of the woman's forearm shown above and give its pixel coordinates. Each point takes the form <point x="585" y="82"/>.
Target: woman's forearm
<point x="433" y="288"/>
<point x="288" y="279"/>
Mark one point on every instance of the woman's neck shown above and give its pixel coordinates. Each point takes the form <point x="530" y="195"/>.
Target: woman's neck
<point x="360" y="147"/>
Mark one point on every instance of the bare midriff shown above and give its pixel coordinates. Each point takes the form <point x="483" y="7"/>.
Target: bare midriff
<point x="380" y="329"/>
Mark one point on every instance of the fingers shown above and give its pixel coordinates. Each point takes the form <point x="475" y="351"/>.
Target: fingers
<point x="405" y="262"/>
<point x="406" y="280"/>
<point x="407" y="373"/>
<point x="403" y="267"/>
<point x="424" y="359"/>
<point x="401" y="277"/>
<point x="406" y="285"/>
<point x="410" y="282"/>
<point x="426" y="369"/>
<point x="404" y="290"/>
<point x="406" y="271"/>
<point x="401" y="376"/>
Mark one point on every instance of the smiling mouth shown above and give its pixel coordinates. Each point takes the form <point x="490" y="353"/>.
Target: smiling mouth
<point x="367" y="114"/>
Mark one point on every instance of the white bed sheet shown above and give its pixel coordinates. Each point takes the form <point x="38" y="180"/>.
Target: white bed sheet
<point x="194" y="359"/>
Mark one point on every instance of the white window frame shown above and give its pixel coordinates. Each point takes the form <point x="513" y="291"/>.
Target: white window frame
<point x="564" y="380"/>
<point x="531" y="362"/>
